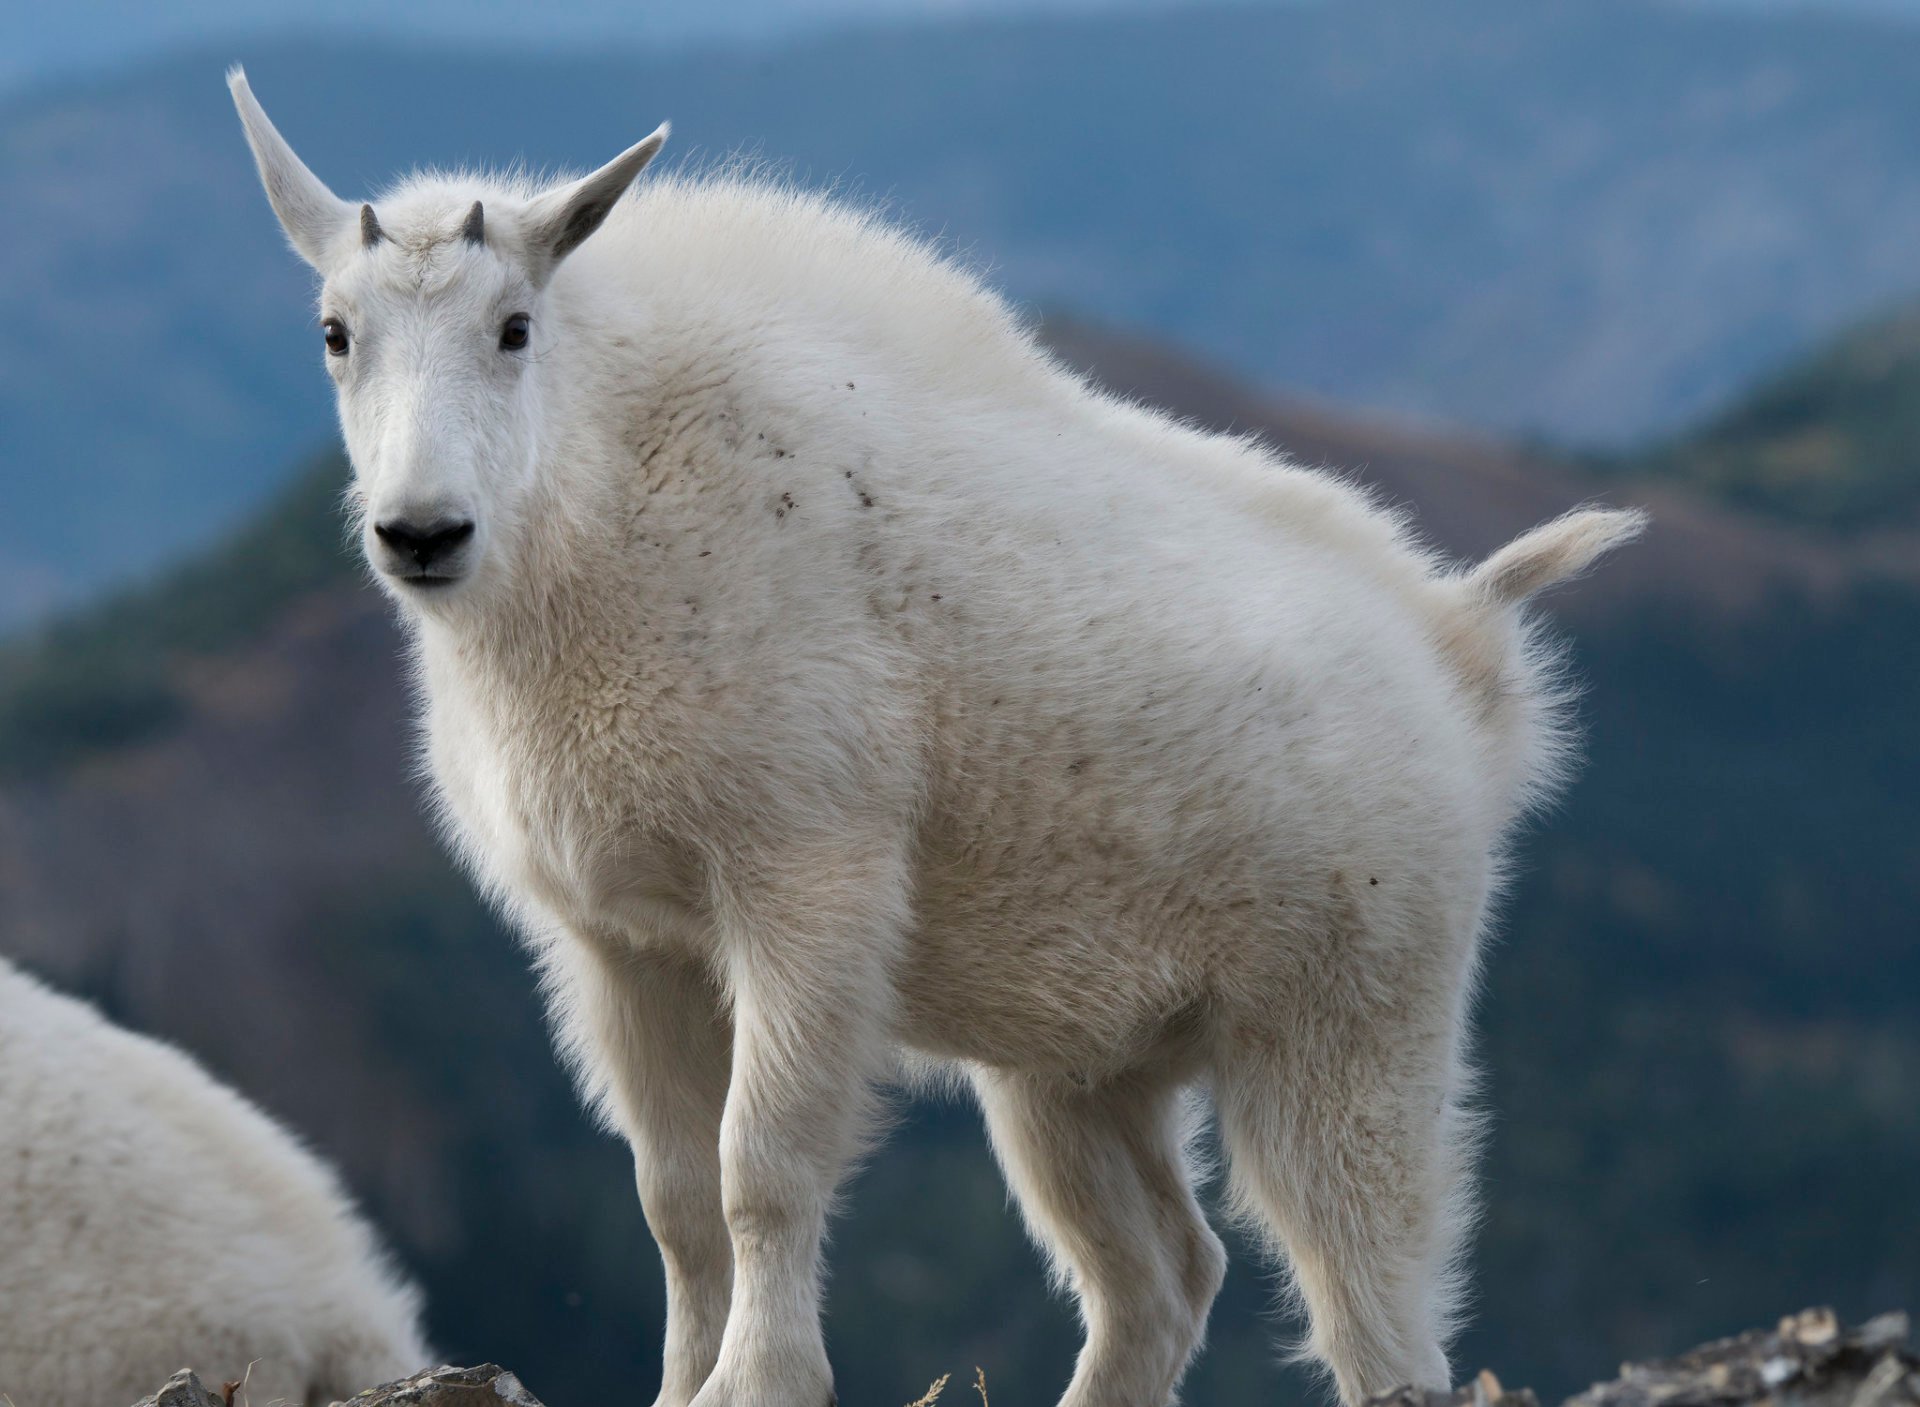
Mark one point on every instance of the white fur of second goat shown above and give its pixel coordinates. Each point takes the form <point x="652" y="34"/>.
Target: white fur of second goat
<point x="151" y="1219"/>
<point x="822" y="674"/>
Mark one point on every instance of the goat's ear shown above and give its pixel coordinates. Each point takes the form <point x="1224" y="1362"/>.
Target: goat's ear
<point x="559" y="221"/>
<point x="313" y="216"/>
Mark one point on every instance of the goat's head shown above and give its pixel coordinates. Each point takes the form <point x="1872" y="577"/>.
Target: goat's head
<point x="430" y="311"/>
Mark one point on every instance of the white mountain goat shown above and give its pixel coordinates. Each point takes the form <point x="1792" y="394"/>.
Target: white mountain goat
<point x="151" y="1218"/>
<point x="817" y="671"/>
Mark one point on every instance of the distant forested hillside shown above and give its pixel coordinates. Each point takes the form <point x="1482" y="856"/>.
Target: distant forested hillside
<point x="1586" y="220"/>
<point x="1833" y="442"/>
<point x="1698" y="1021"/>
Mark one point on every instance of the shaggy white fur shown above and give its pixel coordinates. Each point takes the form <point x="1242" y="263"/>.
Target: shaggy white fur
<point x="151" y="1219"/>
<point x="818" y="672"/>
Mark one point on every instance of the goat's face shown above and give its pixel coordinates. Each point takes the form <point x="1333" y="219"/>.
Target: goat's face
<point x="429" y="337"/>
<point x="430" y="316"/>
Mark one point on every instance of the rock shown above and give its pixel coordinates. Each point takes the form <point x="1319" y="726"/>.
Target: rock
<point x="449" y="1387"/>
<point x="1483" y="1391"/>
<point x="1808" y="1360"/>
<point x="489" y="1385"/>
<point x="183" y="1389"/>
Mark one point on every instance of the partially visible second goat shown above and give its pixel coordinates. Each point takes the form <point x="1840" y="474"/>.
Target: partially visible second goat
<point x="152" y="1219"/>
<point x="818" y="672"/>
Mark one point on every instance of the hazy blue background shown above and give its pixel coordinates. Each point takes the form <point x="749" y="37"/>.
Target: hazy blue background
<point x="1496" y="256"/>
<point x="56" y="41"/>
<point x="1585" y="222"/>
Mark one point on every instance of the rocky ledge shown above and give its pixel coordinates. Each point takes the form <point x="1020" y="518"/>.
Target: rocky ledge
<point x="1809" y="1360"/>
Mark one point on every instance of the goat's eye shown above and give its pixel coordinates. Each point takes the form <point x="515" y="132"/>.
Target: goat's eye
<point x="335" y="333"/>
<point x="514" y="332"/>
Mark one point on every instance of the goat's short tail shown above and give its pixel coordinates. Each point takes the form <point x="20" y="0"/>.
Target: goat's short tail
<point x="1511" y="671"/>
<point x="1552" y="553"/>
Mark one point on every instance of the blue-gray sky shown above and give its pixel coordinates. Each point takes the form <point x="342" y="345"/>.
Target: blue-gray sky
<point x="49" y="42"/>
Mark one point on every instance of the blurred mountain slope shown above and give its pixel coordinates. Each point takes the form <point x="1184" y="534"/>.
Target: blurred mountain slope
<point x="1834" y="442"/>
<point x="1698" y="1026"/>
<point x="1589" y="219"/>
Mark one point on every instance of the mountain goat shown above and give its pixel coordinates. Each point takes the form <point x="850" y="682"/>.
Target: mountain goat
<point x="818" y="672"/>
<point x="150" y="1217"/>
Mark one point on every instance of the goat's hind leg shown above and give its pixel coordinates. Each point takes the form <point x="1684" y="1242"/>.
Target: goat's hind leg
<point x="1348" y="1149"/>
<point x="1102" y="1180"/>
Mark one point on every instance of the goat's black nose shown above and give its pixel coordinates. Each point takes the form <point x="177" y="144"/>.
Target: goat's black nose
<point x="423" y="544"/>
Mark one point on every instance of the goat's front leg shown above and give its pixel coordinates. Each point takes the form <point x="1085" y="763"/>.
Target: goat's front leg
<point x="651" y="1029"/>
<point x="808" y="973"/>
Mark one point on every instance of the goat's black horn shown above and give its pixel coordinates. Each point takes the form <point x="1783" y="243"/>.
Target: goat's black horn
<point x="370" y="231"/>
<point x="474" y="231"/>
